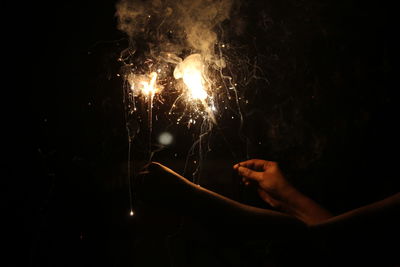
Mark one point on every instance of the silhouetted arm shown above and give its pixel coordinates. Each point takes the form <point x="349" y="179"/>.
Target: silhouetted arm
<point x="370" y="228"/>
<point x="161" y="186"/>
<point x="366" y="236"/>
<point x="376" y="218"/>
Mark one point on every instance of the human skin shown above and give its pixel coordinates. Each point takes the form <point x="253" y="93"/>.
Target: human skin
<point x="274" y="189"/>
<point x="371" y="228"/>
<point x="161" y="186"/>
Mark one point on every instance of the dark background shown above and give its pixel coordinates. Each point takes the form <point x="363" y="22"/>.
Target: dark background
<point x="328" y="114"/>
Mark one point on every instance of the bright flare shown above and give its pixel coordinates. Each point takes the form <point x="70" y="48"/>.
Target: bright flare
<point x="149" y="87"/>
<point x="193" y="80"/>
<point x="143" y="84"/>
<point x="191" y="71"/>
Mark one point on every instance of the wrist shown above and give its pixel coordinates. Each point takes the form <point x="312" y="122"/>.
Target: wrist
<point x="304" y="208"/>
<point x="290" y="200"/>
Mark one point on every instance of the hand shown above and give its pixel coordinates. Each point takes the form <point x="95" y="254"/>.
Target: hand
<point x="273" y="187"/>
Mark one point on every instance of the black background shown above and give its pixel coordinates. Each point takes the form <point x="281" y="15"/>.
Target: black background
<point x="331" y="95"/>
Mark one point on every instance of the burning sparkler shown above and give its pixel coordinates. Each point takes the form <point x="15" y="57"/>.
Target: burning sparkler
<point x="144" y="85"/>
<point x="161" y="33"/>
<point x="191" y="71"/>
<point x="147" y="87"/>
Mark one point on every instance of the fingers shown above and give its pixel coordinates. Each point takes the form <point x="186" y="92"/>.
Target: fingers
<point x="251" y="170"/>
<point x="254" y="164"/>
<point x="250" y="174"/>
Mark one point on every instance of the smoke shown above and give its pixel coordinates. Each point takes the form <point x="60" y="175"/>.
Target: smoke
<point x="174" y="26"/>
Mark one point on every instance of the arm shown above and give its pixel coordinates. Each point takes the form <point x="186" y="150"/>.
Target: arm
<point x="380" y="216"/>
<point x="162" y="186"/>
<point x="365" y="236"/>
<point x="368" y="229"/>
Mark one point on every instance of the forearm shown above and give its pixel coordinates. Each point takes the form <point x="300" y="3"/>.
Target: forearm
<point x="304" y="208"/>
<point x="162" y="186"/>
<point x="364" y="236"/>
<point x="381" y="215"/>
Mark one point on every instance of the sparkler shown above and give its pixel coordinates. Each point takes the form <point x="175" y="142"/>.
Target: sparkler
<point x="147" y="88"/>
<point x="191" y="71"/>
<point x="198" y="92"/>
<point x="171" y="29"/>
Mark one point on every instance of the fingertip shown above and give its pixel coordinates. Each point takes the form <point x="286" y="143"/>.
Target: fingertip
<point x="236" y="166"/>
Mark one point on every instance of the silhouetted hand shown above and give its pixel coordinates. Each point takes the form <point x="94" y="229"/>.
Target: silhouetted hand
<point x="274" y="189"/>
<point x="272" y="185"/>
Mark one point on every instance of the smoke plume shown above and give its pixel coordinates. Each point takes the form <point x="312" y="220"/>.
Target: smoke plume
<point x="174" y="26"/>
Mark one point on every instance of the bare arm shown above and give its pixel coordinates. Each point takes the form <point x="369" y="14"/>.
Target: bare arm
<point x="378" y="217"/>
<point x="373" y="227"/>
<point x="162" y="186"/>
<point x="365" y="236"/>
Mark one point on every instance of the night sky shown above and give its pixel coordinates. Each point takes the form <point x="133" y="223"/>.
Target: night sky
<point x="328" y="114"/>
